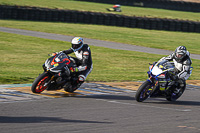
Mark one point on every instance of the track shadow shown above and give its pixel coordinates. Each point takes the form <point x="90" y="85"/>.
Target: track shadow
<point x="162" y="101"/>
<point x="110" y="97"/>
<point x="9" y="119"/>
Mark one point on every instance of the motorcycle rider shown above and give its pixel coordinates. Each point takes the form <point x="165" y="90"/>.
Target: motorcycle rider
<point x="116" y="8"/>
<point x="182" y="62"/>
<point x="83" y="61"/>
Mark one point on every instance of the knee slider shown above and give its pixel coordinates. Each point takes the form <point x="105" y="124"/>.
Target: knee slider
<point x="81" y="78"/>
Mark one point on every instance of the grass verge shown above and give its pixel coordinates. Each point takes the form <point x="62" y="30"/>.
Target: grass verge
<point x="98" y="7"/>
<point x="141" y="37"/>
<point x="22" y="58"/>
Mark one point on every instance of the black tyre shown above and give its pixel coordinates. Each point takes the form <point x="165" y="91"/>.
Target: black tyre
<point x="175" y="96"/>
<point x="143" y="92"/>
<point x="38" y="84"/>
<point x="68" y="87"/>
<point x="69" y="90"/>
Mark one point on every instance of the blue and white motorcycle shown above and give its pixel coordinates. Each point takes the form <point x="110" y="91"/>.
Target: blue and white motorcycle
<point x="161" y="83"/>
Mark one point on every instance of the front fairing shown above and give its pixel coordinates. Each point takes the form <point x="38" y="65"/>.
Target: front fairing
<point x="161" y="68"/>
<point x="56" y="63"/>
<point x="159" y="74"/>
<point x="156" y="71"/>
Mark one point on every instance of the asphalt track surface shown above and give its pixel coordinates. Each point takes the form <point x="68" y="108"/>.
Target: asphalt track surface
<point x="95" y="108"/>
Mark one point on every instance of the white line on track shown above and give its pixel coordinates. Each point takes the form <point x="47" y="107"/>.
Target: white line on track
<point x="148" y="106"/>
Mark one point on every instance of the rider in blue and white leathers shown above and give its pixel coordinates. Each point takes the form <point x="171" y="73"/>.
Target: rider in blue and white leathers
<point x="182" y="62"/>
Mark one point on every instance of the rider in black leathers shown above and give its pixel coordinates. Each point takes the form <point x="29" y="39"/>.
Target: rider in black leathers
<point x="83" y="61"/>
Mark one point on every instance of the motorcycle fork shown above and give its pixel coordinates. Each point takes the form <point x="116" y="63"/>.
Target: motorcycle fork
<point x="152" y="90"/>
<point x="47" y="83"/>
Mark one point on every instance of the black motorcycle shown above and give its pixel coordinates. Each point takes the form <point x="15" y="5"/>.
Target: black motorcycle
<point x="56" y="75"/>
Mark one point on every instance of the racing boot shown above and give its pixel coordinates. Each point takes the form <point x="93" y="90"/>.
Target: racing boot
<point x="76" y="85"/>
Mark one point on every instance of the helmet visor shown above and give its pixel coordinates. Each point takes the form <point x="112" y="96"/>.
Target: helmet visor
<point x="76" y="46"/>
<point x="179" y="55"/>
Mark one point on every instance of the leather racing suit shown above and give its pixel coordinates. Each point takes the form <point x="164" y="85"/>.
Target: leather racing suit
<point x="83" y="61"/>
<point x="182" y="67"/>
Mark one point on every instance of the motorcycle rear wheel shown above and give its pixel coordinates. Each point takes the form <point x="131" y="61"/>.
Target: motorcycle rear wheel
<point x="142" y="92"/>
<point x="174" y="96"/>
<point x="38" y="84"/>
<point x="68" y="87"/>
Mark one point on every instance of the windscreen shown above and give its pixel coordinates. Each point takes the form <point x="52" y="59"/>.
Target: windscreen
<point x="61" y="57"/>
<point x="165" y="65"/>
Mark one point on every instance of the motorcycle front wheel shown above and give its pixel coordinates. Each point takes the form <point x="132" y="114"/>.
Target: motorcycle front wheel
<point x="143" y="92"/>
<point x="40" y="83"/>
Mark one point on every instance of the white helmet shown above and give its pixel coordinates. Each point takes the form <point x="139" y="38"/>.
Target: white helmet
<point x="77" y="43"/>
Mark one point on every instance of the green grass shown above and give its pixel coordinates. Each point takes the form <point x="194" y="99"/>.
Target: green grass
<point x="98" y="7"/>
<point x="141" y="37"/>
<point x="22" y="58"/>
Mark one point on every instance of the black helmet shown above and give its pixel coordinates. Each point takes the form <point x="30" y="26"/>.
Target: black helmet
<point x="77" y="43"/>
<point x="180" y="52"/>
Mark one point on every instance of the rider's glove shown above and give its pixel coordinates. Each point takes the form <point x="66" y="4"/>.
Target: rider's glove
<point x="55" y="53"/>
<point x="175" y="77"/>
<point x="161" y="59"/>
<point x="73" y="69"/>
